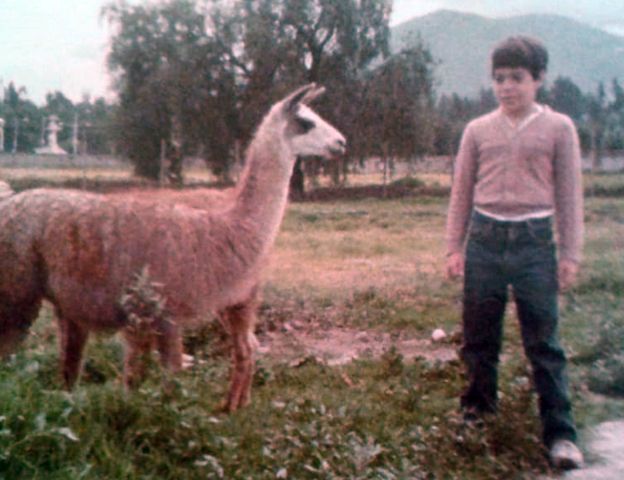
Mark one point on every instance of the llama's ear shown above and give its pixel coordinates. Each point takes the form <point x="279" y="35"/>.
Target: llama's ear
<point x="292" y="101"/>
<point x="313" y="94"/>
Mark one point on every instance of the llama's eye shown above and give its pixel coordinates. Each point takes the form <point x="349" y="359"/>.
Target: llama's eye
<point x="304" y="125"/>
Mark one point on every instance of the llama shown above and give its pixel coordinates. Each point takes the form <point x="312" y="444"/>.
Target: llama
<point x="83" y="252"/>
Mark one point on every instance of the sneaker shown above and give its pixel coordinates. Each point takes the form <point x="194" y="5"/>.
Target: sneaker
<point x="471" y="414"/>
<point x="565" y="455"/>
<point x="476" y="417"/>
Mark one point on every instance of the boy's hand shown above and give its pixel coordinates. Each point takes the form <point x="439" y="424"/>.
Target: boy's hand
<point x="568" y="271"/>
<point x="455" y="265"/>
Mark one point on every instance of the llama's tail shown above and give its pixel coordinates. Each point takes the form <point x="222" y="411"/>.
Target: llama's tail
<point x="5" y="190"/>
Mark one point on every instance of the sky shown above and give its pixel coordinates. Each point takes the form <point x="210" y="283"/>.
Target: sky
<point x="50" y="45"/>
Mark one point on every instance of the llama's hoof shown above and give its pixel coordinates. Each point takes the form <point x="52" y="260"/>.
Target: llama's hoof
<point x="225" y="407"/>
<point x="228" y="406"/>
<point x="188" y="361"/>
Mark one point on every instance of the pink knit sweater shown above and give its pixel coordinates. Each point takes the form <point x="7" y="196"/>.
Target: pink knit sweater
<point x="514" y="172"/>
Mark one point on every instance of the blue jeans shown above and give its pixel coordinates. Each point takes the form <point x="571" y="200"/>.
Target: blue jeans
<point x="520" y="254"/>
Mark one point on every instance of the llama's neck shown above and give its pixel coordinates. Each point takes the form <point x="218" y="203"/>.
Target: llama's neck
<point x="262" y="193"/>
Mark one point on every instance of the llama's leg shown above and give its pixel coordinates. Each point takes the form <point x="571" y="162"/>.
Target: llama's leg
<point x="241" y="320"/>
<point x="15" y="321"/>
<point x="138" y="349"/>
<point x="72" y="339"/>
<point x="169" y="342"/>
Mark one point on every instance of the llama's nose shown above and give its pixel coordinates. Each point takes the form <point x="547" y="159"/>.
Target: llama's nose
<point x="341" y="146"/>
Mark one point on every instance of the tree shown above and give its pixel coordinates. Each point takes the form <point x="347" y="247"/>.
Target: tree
<point x="614" y="134"/>
<point x="566" y="97"/>
<point x="452" y="114"/>
<point x="200" y="77"/>
<point x="26" y="123"/>
<point x="596" y="121"/>
<point x="398" y="109"/>
<point x="284" y="43"/>
<point x="21" y="120"/>
<point x="95" y="128"/>
<point x="162" y="58"/>
<point x="618" y="96"/>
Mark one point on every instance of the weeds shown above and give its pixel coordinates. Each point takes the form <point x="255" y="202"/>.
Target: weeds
<point x="605" y="359"/>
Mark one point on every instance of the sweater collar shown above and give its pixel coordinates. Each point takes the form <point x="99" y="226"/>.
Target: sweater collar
<point x="524" y="122"/>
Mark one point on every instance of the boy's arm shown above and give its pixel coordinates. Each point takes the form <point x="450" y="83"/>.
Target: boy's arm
<point x="462" y="192"/>
<point x="569" y="194"/>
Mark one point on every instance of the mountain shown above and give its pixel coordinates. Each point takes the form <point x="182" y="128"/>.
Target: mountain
<point x="462" y="43"/>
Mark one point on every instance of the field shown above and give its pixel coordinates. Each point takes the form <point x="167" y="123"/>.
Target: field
<point x="348" y="385"/>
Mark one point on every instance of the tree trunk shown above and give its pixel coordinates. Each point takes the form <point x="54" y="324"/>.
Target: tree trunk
<point x="335" y="173"/>
<point x="174" y="170"/>
<point x="595" y="150"/>
<point x="297" y="181"/>
<point x="384" y="150"/>
<point x="344" y="163"/>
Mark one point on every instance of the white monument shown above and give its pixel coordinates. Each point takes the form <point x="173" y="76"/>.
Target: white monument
<point x="52" y="148"/>
<point x="1" y="134"/>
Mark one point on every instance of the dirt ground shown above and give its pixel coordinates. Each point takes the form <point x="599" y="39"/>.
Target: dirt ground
<point x="297" y="342"/>
<point x="604" y="447"/>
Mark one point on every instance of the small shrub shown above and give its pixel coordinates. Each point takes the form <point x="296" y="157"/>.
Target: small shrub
<point x="607" y="376"/>
<point x="606" y="359"/>
<point x="408" y="182"/>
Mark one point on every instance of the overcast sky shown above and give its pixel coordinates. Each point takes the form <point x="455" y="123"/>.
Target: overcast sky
<point x="48" y="45"/>
<point x="605" y="14"/>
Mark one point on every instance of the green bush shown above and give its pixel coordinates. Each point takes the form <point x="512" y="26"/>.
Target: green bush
<point x="606" y="360"/>
<point x="408" y="182"/>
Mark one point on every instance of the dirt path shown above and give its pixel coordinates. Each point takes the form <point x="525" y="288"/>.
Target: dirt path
<point x="605" y="454"/>
<point x="337" y="346"/>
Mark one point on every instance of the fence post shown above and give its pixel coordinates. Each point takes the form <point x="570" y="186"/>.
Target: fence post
<point x="161" y="170"/>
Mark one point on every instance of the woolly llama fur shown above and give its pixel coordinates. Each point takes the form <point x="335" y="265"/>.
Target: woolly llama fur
<point x="90" y="255"/>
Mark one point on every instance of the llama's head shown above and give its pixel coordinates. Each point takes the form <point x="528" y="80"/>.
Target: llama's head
<point x="305" y="131"/>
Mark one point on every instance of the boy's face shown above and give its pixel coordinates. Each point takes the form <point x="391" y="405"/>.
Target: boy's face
<point x="515" y="89"/>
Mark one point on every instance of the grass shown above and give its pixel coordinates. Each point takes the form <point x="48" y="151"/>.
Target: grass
<point x="370" y="265"/>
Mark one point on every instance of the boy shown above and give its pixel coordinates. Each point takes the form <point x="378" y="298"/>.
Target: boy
<point x="517" y="170"/>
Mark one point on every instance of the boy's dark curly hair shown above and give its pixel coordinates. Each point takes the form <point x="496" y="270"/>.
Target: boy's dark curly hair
<point x="521" y="51"/>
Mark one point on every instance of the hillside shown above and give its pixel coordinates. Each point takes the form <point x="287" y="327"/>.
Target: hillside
<point x="462" y="42"/>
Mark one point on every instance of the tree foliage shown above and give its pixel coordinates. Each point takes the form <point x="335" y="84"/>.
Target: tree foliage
<point x="158" y="54"/>
<point x="25" y="123"/>
<point x="21" y="119"/>
<point x="193" y="78"/>
<point x="565" y="97"/>
<point x="397" y="119"/>
<point x="205" y="73"/>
